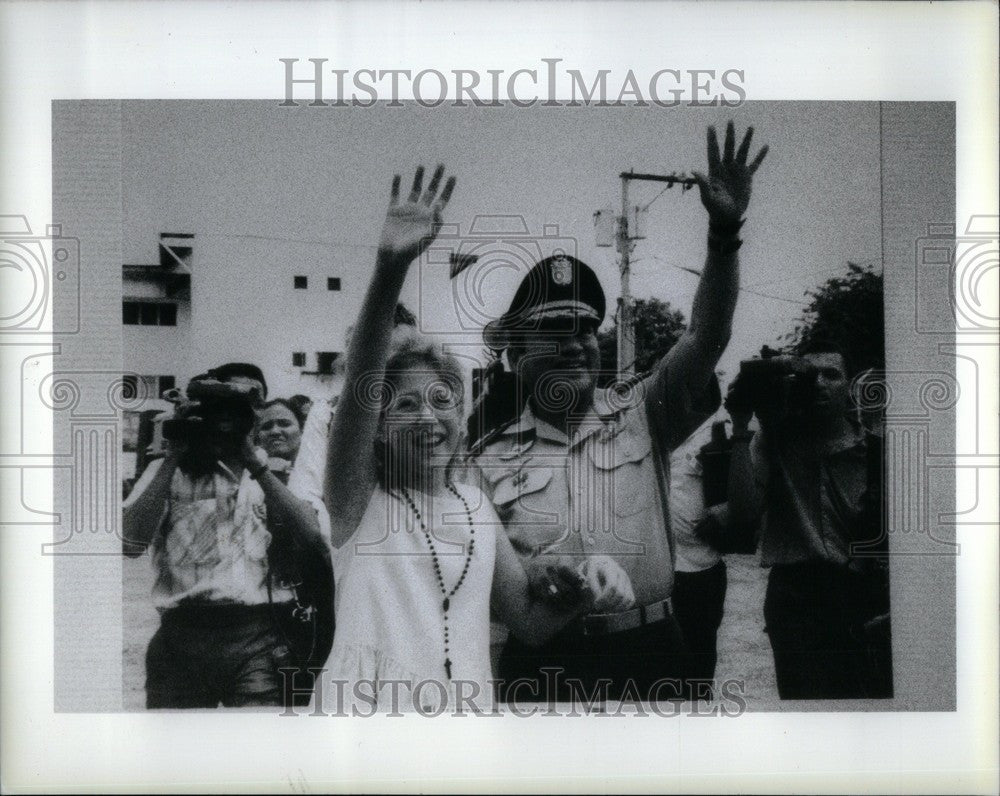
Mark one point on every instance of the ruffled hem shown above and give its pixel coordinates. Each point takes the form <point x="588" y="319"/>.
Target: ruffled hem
<point x="363" y="680"/>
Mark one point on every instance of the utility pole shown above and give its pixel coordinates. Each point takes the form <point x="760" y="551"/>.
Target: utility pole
<point x="626" y="325"/>
<point x="624" y="242"/>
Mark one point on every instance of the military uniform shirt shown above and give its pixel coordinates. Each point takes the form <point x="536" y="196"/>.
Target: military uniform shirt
<point x="594" y="492"/>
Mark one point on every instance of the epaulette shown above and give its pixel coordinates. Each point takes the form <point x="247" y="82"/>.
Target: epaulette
<point x="490" y="437"/>
<point x="634" y="379"/>
<point x="626" y="384"/>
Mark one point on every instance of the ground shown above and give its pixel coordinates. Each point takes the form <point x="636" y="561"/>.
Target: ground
<point x="744" y="652"/>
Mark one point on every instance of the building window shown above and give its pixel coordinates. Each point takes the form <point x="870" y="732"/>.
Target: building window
<point x="168" y="314"/>
<point x="149" y="313"/>
<point x="135" y="387"/>
<point x="325" y="360"/>
<point x="301" y="282"/>
<point x="333" y="283"/>
<point x="298" y="359"/>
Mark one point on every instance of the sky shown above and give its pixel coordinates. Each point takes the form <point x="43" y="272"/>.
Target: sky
<point x="320" y="177"/>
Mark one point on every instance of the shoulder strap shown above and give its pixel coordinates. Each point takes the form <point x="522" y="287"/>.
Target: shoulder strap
<point x="661" y="462"/>
<point x="478" y="446"/>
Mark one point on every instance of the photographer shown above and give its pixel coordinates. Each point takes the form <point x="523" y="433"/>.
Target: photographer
<point x="206" y="508"/>
<point x="815" y="475"/>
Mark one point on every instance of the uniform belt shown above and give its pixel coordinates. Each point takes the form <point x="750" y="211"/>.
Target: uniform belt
<point x="605" y="624"/>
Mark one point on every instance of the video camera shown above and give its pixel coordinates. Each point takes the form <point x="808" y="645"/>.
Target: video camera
<point x="209" y="401"/>
<point x="774" y="382"/>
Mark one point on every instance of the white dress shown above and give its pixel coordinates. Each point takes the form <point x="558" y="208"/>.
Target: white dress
<point x="389" y="607"/>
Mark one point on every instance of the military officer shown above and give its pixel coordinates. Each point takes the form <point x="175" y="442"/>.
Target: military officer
<point x="583" y="470"/>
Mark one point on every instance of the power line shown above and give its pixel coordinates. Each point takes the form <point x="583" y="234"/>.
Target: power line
<point x="826" y="268"/>
<point x="797" y="302"/>
<point x="666" y="188"/>
<point x="313" y="241"/>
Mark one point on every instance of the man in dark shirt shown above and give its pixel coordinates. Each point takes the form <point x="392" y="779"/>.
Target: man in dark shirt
<point x="815" y="475"/>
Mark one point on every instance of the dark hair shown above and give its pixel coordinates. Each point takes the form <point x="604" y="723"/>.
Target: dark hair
<point x="290" y="405"/>
<point x="236" y="369"/>
<point x="826" y="345"/>
<point x="301" y="403"/>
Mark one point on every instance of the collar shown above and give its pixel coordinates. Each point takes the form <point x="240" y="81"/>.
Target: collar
<point x="598" y="415"/>
<point x="229" y="475"/>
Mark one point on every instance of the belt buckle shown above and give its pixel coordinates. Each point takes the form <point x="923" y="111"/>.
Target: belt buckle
<point x="590" y="628"/>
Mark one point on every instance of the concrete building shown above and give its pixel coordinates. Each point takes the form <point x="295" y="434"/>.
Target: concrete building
<point x="156" y="318"/>
<point x="282" y="305"/>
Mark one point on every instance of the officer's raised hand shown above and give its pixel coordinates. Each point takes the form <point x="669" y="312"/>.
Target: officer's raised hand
<point x="412" y="224"/>
<point x="725" y="191"/>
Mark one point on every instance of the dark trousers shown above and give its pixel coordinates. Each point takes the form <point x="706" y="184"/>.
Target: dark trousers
<point x="698" y="600"/>
<point x="207" y="655"/>
<point x="637" y="662"/>
<point x="818" y="617"/>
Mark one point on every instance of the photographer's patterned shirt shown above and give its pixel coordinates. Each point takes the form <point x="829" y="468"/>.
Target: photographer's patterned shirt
<point x="211" y="544"/>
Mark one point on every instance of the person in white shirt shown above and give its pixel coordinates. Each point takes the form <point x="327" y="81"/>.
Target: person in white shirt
<point x="420" y="561"/>
<point x="700" y="573"/>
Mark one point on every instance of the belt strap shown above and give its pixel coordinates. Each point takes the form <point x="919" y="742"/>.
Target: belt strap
<point x="605" y="624"/>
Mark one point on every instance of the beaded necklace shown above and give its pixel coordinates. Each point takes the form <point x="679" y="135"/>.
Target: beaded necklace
<point x="446" y="602"/>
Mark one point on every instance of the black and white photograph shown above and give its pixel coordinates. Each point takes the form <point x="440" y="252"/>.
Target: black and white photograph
<point x="525" y="427"/>
<point x="611" y="398"/>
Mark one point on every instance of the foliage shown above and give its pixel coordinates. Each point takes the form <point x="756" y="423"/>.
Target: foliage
<point x="847" y="311"/>
<point x="657" y="327"/>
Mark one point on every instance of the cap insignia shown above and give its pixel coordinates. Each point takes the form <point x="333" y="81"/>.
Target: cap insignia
<point x="562" y="271"/>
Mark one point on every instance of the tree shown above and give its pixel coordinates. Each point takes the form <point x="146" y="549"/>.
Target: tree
<point x="657" y="327"/>
<point x="849" y="312"/>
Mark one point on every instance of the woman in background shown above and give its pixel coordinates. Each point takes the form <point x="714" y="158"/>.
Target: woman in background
<point x="279" y="433"/>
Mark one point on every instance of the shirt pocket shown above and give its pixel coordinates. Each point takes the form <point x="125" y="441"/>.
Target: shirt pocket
<point x="624" y="471"/>
<point x="532" y="515"/>
<point x="521" y="486"/>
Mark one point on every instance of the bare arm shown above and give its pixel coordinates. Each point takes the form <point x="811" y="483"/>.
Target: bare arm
<point x="748" y="476"/>
<point x="409" y="228"/>
<point x="286" y="512"/>
<point x="683" y="373"/>
<point x="532" y="621"/>
<point x="143" y="511"/>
